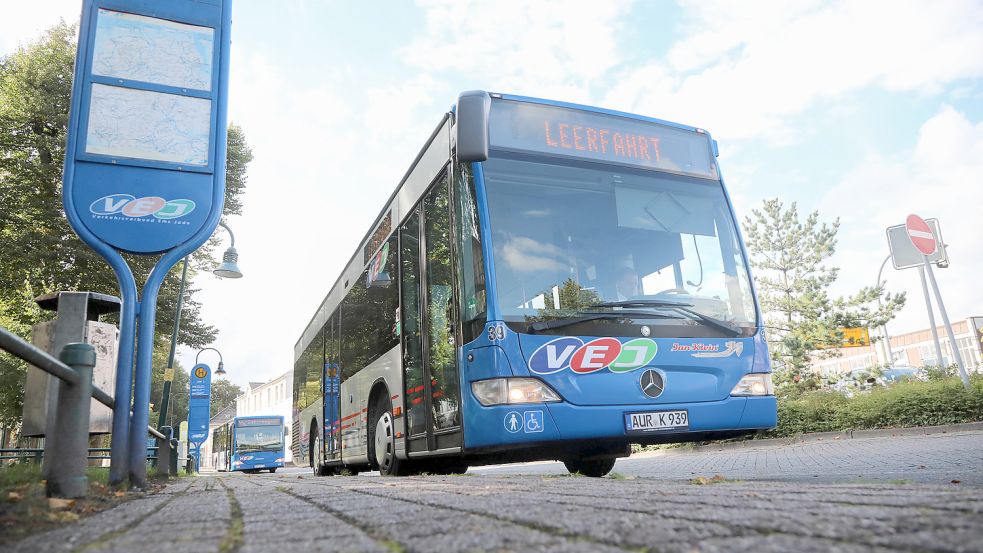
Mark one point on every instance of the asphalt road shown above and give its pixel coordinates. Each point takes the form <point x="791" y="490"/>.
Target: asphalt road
<point x="802" y="497"/>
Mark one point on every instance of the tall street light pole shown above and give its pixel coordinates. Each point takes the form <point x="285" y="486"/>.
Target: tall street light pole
<point x="887" y="338"/>
<point x="228" y="269"/>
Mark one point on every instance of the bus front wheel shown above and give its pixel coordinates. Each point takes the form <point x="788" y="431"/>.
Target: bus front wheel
<point x="595" y="468"/>
<point x="382" y="440"/>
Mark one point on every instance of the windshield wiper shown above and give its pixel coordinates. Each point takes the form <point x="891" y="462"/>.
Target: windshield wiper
<point x="593" y="316"/>
<point x="678" y="306"/>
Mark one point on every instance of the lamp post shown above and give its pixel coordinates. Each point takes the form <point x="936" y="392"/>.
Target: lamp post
<point x="887" y="338"/>
<point x="227" y="269"/>
<point x="220" y="371"/>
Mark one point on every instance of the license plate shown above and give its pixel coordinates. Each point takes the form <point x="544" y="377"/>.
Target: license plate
<point x="656" y="420"/>
<point x="261" y="466"/>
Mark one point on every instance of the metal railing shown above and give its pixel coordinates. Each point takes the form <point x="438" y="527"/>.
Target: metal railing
<point x="36" y="454"/>
<point x="66" y="451"/>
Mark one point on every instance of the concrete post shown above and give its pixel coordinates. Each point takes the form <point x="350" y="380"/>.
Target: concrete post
<point x="164" y="452"/>
<point x="69" y="329"/>
<point x="69" y="452"/>
<point x="172" y="469"/>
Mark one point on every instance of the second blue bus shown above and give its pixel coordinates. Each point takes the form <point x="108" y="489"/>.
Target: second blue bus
<point x="249" y="444"/>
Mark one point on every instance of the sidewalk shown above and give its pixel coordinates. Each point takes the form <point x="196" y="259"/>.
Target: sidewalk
<point x="236" y="513"/>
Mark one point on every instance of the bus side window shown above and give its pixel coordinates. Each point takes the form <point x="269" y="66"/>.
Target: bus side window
<point x="471" y="276"/>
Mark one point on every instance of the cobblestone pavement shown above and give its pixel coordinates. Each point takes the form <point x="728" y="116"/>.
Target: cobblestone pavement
<point x="929" y="459"/>
<point x="488" y="511"/>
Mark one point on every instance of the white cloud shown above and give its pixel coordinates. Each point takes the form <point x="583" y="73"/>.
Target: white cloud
<point x="746" y="67"/>
<point x="938" y="178"/>
<point x="550" y="48"/>
<point x="23" y="22"/>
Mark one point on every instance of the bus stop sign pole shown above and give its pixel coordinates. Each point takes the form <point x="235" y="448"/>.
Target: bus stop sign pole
<point x="145" y="167"/>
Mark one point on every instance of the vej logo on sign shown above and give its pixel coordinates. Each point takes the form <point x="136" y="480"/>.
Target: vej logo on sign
<point x="595" y="355"/>
<point x="130" y="206"/>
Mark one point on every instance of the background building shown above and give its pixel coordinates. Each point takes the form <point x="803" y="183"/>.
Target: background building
<point x="915" y="349"/>
<point x="270" y="398"/>
<point x="220" y="418"/>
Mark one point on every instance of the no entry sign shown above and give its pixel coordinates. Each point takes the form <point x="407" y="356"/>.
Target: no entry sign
<point x="920" y="234"/>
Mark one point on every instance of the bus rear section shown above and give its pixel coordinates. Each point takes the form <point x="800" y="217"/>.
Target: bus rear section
<point x="257" y="444"/>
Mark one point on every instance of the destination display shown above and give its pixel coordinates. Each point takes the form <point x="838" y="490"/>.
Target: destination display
<point x="258" y="422"/>
<point x="557" y="130"/>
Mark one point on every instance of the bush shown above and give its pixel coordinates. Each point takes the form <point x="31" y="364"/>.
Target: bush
<point x="904" y="404"/>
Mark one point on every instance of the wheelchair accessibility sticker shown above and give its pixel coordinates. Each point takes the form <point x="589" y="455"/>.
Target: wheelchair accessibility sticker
<point x="529" y="422"/>
<point x="533" y="421"/>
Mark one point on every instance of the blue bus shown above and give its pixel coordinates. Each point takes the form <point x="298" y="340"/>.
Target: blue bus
<point x="547" y="281"/>
<point x="249" y="444"/>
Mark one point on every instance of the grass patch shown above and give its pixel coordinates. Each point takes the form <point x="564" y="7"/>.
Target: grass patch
<point x="233" y="538"/>
<point x="25" y="508"/>
<point x="619" y="476"/>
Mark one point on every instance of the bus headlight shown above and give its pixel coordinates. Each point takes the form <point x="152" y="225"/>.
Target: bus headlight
<point x="756" y="384"/>
<point x="501" y="391"/>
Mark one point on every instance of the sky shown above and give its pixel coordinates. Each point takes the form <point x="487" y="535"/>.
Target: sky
<point x="864" y="111"/>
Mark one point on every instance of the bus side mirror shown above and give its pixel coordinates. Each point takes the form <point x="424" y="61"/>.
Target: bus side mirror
<point x="473" y="109"/>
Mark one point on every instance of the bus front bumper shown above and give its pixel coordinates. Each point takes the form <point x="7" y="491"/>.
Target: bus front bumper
<point x="508" y="425"/>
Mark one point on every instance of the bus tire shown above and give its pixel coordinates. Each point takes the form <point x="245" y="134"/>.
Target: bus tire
<point x="272" y="470"/>
<point x="382" y="440"/>
<point x="317" y="463"/>
<point x="594" y="468"/>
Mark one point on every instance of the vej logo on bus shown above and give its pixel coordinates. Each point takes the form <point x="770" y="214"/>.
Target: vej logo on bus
<point x="133" y="207"/>
<point x="595" y="355"/>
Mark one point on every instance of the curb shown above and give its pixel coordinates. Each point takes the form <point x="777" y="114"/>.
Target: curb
<point x="830" y="436"/>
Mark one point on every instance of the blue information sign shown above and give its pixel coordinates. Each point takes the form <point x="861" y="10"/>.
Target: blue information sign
<point x="148" y="129"/>
<point x="145" y="165"/>
<point x="199" y="404"/>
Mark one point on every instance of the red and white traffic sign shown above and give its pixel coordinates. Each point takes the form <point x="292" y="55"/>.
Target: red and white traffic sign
<point x="920" y="234"/>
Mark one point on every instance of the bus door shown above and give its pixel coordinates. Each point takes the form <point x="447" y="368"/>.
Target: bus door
<point x="432" y="399"/>
<point x="332" y="392"/>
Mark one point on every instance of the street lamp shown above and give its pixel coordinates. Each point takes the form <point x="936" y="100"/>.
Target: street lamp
<point x="228" y="269"/>
<point x="887" y="338"/>
<point x="220" y="371"/>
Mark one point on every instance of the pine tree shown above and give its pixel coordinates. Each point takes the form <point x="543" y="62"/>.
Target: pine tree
<point x="790" y="259"/>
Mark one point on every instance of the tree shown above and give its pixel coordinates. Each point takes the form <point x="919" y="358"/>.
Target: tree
<point x="224" y="393"/>
<point x="789" y="257"/>
<point x="177" y="406"/>
<point x="39" y="252"/>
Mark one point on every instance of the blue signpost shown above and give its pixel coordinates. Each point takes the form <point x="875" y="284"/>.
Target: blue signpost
<point x="145" y="166"/>
<point x="199" y="407"/>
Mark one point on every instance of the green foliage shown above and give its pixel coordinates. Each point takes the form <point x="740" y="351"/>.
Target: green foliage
<point x="177" y="406"/>
<point x="905" y="404"/>
<point x="39" y="252"/>
<point x="789" y="256"/>
<point x="224" y="393"/>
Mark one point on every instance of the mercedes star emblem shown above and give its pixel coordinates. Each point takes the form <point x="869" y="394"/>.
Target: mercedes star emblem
<point x="652" y="383"/>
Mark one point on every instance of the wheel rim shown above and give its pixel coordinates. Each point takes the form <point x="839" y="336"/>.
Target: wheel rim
<point x="384" y="441"/>
<point x="317" y="454"/>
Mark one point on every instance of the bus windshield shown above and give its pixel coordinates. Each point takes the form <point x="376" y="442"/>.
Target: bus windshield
<point x="582" y="247"/>
<point x="259" y="438"/>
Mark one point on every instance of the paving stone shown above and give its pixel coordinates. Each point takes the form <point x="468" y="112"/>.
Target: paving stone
<point x="801" y="497"/>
